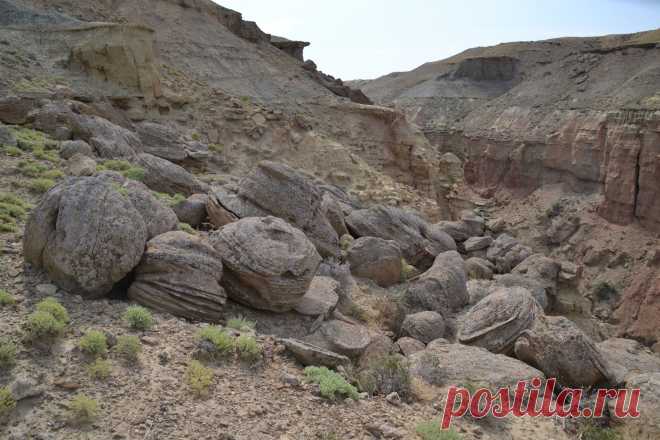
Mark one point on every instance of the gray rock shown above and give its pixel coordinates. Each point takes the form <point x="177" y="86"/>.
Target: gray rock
<point x="506" y="253"/>
<point x="409" y="346"/>
<point x="167" y="177"/>
<point x="477" y="243"/>
<point x="533" y="285"/>
<point x="442" y="364"/>
<point x="332" y="211"/>
<point x="496" y="321"/>
<point x="442" y="288"/>
<point x="496" y="225"/>
<point x="376" y="259"/>
<point x="561" y="229"/>
<point x="479" y="289"/>
<point x="321" y="297"/>
<point x="308" y="354"/>
<point x="180" y="274"/>
<point x="86" y="234"/>
<point x="159" y="218"/>
<point x="419" y="241"/>
<point x="25" y="387"/>
<point x="79" y="165"/>
<point x="556" y="346"/>
<point x="424" y="326"/>
<point x="647" y="425"/>
<point x="379" y="347"/>
<point x="341" y="337"/>
<point x="269" y="264"/>
<point x="479" y="269"/>
<point x="68" y="149"/>
<point x="7" y="137"/>
<point x="46" y="289"/>
<point x="192" y="210"/>
<point x="627" y="357"/>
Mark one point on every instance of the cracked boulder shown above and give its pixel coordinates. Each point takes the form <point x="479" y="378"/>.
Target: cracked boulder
<point x="268" y="263"/>
<point x="180" y="274"/>
<point x="342" y="337"/>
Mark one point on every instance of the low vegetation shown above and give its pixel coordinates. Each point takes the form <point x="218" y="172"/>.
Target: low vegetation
<point x="199" y="378"/>
<point x="432" y="431"/>
<point x="592" y="431"/>
<point x="386" y="375"/>
<point x="216" y="148"/>
<point x="100" y="369"/>
<point x="128" y="347"/>
<point x="52" y="306"/>
<point x="83" y="409"/>
<point x="48" y="322"/>
<point x="138" y="318"/>
<point x="12" y="210"/>
<point x="94" y="343"/>
<point x="7" y="401"/>
<point x="241" y="324"/>
<point x="223" y="343"/>
<point x="6" y="299"/>
<point x="248" y="349"/>
<point x="185" y="227"/>
<point x="168" y="199"/>
<point x="331" y="384"/>
<point x="7" y="354"/>
<point x="123" y="167"/>
<point x="12" y="151"/>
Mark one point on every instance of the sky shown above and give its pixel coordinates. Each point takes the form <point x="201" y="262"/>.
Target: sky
<point x="364" y="39"/>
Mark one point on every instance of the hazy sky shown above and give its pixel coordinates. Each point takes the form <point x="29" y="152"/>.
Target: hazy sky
<point x="355" y="39"/>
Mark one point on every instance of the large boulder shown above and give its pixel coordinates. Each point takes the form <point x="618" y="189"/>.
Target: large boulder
<point x="627" y="357"/>
<point x="341" y="337"/>
<point x="376" y="259"/>
<point x="424" y="326"/>
<point x="496" y="321"/>
<point x="164" y="176"/>
<point x="442" y="288"/>
<point x="479" y="269"/>
<point x="443" y="363"/>
<point x="535" y="286"/>
<point x="506" y="253"/>
<point x="180" y="274"/>
<point x="321" y="297"/>
<point x="269" y="264"/>
<point x="647" y="425"/>
<point x="87" y="234"/>
<point x="556" y="346"/>
<point x="192" y="210"/>
<point x="419" y="241"/>
<point x="309" y="354"/>
<point x="332" y="211"/>
<point x="278" y="190"/>
<point x="162" y="141"/>
<point x="158" y="217"/>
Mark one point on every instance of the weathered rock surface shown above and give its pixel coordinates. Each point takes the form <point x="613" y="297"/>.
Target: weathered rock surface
<point x="68" y="149"/>
<point x="79" y="165"/>
<point x="164" y="176"/>
<point x="332" y="211"/>
<point x="269" y="264"/>
<point x="180" y="274"/>
<point x="341" y="337"/>
<point x="164" y="142"/>
<point x="409" y="346"/>
<point x="536" y="287"/>
<point x="556" y="346"/>
<point x="159" y="218"/>
<point x="443" y="363"/>
<point x="419" y="241"/>
<point x="442" y="288"/>
<point x="376" y="259"/>
<point x="321" y="297"/>
<point x="424" y="326"/>
<point x="627" y="357"/>
<point x="640" y="307"/>
<point x="496" y="322"/>
<point x="477" y="243"/>
<point x="309" y="354"/>
<point x="86" y="235"/>
<point x="506" y="253"/>
<point x="192" y="210"/>
<point x="479" y="269"/>
<point x="647" y="425"/>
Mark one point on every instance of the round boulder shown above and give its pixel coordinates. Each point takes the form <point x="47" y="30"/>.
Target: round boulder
<point x="269" y="264"/>
<point x="424" y="326"/>
<point x="341" y="337"/>
<point x="376" y="259"/>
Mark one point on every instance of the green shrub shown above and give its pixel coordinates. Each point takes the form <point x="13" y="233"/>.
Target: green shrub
<point x="50" y="156"/>
<point x="199" y="378"/>
<point x="52" y="306"/>
<point x="99" y="369"/>
<point x="7" y="402"/>
<point x="591" y="431"/>
<point x="331" y="384"/>
<point x="7" y="354"/>
<point x="125" y="168"/>
<point x="6" y="299"/>
<point x="241" y="324"/>
<point x="30" y="168"/>
<point x="169" y="200"/>
<point x="83" y="409"/>
<point x="94" y="343"/>
<point x="135" y="173"/>
<point x="138" y="318"/>
<point x="185" y="227"/>
<point x="216" y="148"/>
<point x="223" y="343"/>
<point x="53" y="174"/>
<point x="248" y="349"/>
<point x="28" y="139"/>
<point x="12" y="151"/>
<point x="40" y="186"/>
<point x="386" y="375"/>
<point x="128" y="347"/>
<point x="43" y="326"/>
<point x="432" y="431"/>
<point x="407" y="271"/>
<point x="605" y="291"/>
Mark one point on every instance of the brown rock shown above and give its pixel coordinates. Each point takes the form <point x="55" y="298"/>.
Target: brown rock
<point x="376" y="259"/>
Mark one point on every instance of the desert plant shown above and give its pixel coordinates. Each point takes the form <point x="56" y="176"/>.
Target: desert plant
<point x="12" y="151"/>
<point x="83" y="409"/>
<point x="128" y="347"/>
<point x="135" y="173"/>
<point x="168" y="199"/>
<point x="42" y="154"/>
<point x="30" y="168"/>
<point x="248" y="348"/>
<point x="592" y="431"/>
<point x="199" y="378"/>
<point x="6" y="299"/>
<point x="7" y="401"/>
<point x="432" y="431"/>
<point x="99" y="369"/>
<point x="52" y="306"/>
<point x="386" y="375"/>
<point x="605" y="291"/>
<point x="40" y="185"/>
<point x="7" y="354"/>
<point x="42" y="326"/>
<point x="185" y="227"/>
<point x="94" y="343"/>
<point x="138" y="318"/>
<point x="223" y="343"/>
<point x="331" y="384"/>
<point x="241" y="324"/>
<point x="124" y="168"/>
<point x="407" y="271"/>
<point x="216" y="148"/>
<point x="30" y="140"/>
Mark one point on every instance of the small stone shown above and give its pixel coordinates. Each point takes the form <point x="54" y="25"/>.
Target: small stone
<point x="46" y="289"/>
<point x="393" y="399"/>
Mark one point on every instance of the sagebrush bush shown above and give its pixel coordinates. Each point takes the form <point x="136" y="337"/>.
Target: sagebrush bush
<point x="7" y="401"/>
<point x="83" y="409"/>
<point x="138" y="318"/>
<point x="241" y="324"/>
<point x="99" y="369"/>
<point x="185" y="227"/>
<point x="124" y="168"/>
<point x="222" y="341"/>
<point x="53" y="306"/>
<point x="432" y="431"/>
<point x="199" y="378"/>
<point x="94" y="343"/>
<point x="386" y="375"/>
<point x="6" y="299"/>
<point x="331" y="384"/>
<point x="128" y="347"/>
<point x="169" y="200"/>
<point x="591" y="431"/>
<point x="7" y="354"/>
<point x="12" y="151"/>
<point x="248" y="348"/>
<point x="41" y="185"/>
<point x="42" y="325"/>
